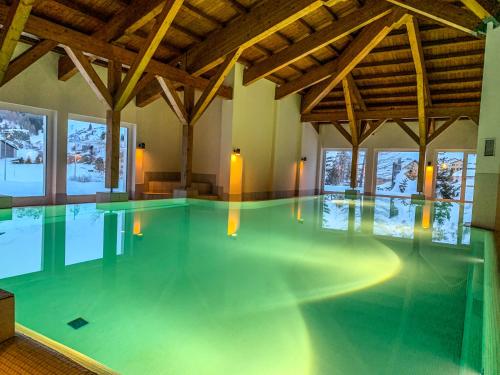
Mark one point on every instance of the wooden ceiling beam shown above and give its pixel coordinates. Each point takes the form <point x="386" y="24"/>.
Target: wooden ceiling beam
<point x="263" y="20"/>
<point x="49" y="30"/>
<point x="13" y="26"/>
<point x="351" y="113"/>
<point x="90" y="75"/>
<point x="443" y="128"/>
<point x="27" y="58"/>
<point x="481" y="8"/>
<point x="441" y="12"/>
<point x="174" y="100"/>
<point x="342" y="131"/>
<point x="407" y="130"/>
<point x="371" y="12"/>
<point x="407" y="113"/>
<point x="373" y="127"/>
<point x="333" y="73"/>
<point x="160" y="28"/>
<point x="209" y="93"/>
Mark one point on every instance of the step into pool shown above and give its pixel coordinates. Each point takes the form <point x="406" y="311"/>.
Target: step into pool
<point x="312" y="286"/>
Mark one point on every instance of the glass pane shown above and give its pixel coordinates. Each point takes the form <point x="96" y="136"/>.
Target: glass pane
<point x="22" y="154"/>
<point x="445" y="225"/>
<point x="397" y="173"/>
<point x="471" y="176"/>
<point x="87" y="157"/>
<point x="337" y="170"/>
<point x="466" y="224"/>
<point x="449" y="175"/>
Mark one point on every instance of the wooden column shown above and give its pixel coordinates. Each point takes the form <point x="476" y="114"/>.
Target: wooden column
<point x="354" y="166"/>
<point x="354" y="126"/>
<point x="113" y="119"/>
<point x="187" y="141"/>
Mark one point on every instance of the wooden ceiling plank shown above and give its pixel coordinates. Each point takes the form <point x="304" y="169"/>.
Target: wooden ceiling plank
<point x="174" y="100"/>
<point x="161" y="26"/>
<point x="263" y="20"/>
<point x="209" y="93"/>
<point x="27" y="58"/>
<point x="13" y="26"/>
<point x="90" y="75"/>
<point x="371" y="12"/>
<point x="338" y="69"/>
<point x="441" y="12"/>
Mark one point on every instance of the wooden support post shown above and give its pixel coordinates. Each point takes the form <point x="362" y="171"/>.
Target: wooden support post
<point x="354" y="166"/>
<point x="113" y="119"/>
<point x="7" y="320"/>
<point x="187" y="141"/>
<point x="354" y="125"/>
<point x="421" y="169"/>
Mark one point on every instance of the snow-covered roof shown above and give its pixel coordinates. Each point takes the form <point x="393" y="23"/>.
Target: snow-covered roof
<point x="9" y="144"/>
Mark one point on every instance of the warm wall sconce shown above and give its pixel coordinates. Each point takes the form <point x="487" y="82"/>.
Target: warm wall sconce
<point x="428" y="179"/>
<point x="236" y="151"/>
<point x="141" y="146"/>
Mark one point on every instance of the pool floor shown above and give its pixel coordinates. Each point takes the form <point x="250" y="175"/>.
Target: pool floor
<point x="301" y="286"/>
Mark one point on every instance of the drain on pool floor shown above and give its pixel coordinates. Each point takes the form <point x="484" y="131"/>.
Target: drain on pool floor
<point x="78" y="323"/>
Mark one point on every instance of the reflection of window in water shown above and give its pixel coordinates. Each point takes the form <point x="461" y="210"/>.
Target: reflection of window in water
<point x="467" y="222"/>
<point x="337" y="170"/>
<point x="336" y="213"/>
<point x="85" y="234"/>
<point x="445" y="224"/>
<point x="21" y="242"/>
<point x="396" y="173"/>
<point x="394" y="217"/>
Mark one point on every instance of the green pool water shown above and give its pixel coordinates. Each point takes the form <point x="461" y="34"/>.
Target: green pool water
<point x="303" y="286"/>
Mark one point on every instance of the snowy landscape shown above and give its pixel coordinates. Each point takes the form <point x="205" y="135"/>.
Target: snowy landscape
<point x="337" y="172"/>
<point x="22" y="154"/>
<point x="397" y="173"/>
<point x="87" y="156"/>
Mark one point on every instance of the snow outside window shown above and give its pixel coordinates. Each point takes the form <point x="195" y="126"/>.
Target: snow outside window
<point x="87" y="157"/>
<point x="22" y="153"/>
<point x="455" y="175"/>
<point x="337" y="170"/>
<point x="397" y="173"/>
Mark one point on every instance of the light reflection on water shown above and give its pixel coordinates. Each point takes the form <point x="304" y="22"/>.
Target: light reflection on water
<point x="310" y="286"/>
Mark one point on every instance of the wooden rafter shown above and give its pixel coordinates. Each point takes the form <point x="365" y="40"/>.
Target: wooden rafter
<point x="247" y="31"/>
<point x="354" y="126"/>
<point x="418" y="55"/>
<point x="13" y="26"/>
<point x="442" y="12"/>
<point x="113" y="119"/>
<point x="409" y="113"/>
<point x="371" y="130"/>
<point x="123" y="24"/>
<point x="51" y="31"/>
<point x="209" y="93"/>
<point x="174" y="100"/>
<point x="481" y="8"/>
<point x="407" y="130"/>
<point x="161" y="26"/>
<point x="342" y="131"/>
<point x="371" y="12"/>
<point x="333" y="73"/>
<point x="27" y="58"/>
<point x="90" y="75"/>
<point x="442" y="129"/>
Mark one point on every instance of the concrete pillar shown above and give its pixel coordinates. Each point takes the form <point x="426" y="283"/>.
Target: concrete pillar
<point x="7" y="316"/>
<point x="488" y="167"/>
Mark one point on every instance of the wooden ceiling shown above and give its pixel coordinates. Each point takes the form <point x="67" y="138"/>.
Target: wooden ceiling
<point x="377" y="50"/>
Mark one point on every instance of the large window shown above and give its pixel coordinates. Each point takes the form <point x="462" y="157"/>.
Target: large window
<point x="397" y="173"/>
<point x="337" y="170"/>
<point x="455" y="175"/>
<point x="22" y="153"/>
<point x="87" y="157"/>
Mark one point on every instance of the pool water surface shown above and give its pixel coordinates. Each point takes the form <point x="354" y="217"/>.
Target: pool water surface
<point x="312" y="286"/>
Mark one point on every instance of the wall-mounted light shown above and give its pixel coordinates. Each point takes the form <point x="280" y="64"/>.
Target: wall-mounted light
<point x="429" y="175"/>
<point x="236" y="151"/>
<point x="141" y="146"/>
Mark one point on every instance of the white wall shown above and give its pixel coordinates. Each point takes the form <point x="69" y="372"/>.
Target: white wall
<point x="461" y="135"/>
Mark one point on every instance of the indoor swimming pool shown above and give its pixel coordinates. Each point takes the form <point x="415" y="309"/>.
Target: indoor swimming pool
<point x="311" y="286"/>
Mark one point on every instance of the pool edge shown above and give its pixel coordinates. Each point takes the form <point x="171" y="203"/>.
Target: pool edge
<point x="75" y="356"/>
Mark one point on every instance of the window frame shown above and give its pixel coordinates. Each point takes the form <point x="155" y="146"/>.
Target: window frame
<point x="376" y="151"/>
<point x="324" y="150"/>
<point x="50" y="150"/>
<point x="129" y="183"/>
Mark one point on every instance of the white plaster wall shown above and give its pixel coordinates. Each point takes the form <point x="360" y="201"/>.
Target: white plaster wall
<point x="310" y="147"/>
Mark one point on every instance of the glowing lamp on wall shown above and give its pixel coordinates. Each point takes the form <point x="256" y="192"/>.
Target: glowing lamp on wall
<point x="429" y="176"/>
<point x="236" y="176"/>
